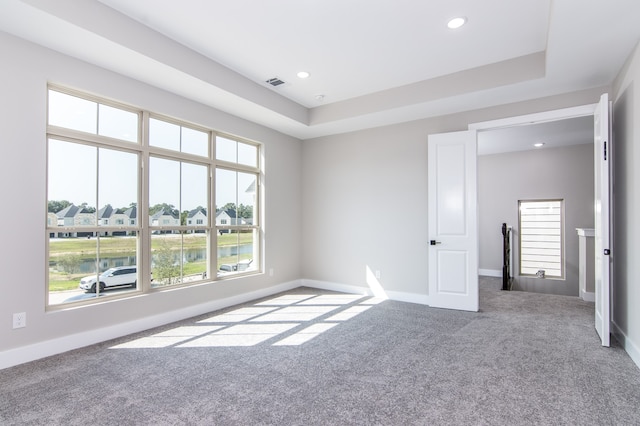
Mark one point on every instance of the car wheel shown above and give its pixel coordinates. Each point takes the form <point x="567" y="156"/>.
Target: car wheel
<point x="93" y="288"/>
<point x="102" y="286"/>
<point x="134" y="284"/>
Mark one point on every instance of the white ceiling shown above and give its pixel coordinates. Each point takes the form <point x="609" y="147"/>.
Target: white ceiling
<point x="351" y="48"/>
<point x="376" y="62"/>
<point x="552" y="134"/>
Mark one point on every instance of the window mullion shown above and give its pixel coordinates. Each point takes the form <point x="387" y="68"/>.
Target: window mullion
<point x="144" y="238"/>
<point x="212" y="243"/>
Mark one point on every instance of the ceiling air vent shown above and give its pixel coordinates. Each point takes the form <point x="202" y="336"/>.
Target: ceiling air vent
<point x="275" y="81"/>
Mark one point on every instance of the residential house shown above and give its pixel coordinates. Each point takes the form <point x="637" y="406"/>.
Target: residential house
<point x="104" y="215"/>
<point x="164" y="218"/>
<point x="226" y="218"/>
<point x="75" y="216"/>
<point x="131" y="215"/>
<point x="108" y="216"/>
<point x="197" y="217"/>
<point x="52" y="221"/>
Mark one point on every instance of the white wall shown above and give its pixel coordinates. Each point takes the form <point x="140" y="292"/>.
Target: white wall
<point x="626" y="245"/>
<point x="504" y="179"/>
<point x="364" y="206"/>
<point x="365" y="199"/>
<point x="25" y="71"/>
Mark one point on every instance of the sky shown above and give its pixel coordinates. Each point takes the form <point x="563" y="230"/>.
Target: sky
<point x="99" y="176"/>
<point x="77" y="173"/>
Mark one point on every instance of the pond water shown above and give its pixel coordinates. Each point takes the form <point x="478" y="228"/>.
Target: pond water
<point x="87" y="265"/>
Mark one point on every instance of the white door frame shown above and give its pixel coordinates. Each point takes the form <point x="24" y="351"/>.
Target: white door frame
<point x="542" y="117"/>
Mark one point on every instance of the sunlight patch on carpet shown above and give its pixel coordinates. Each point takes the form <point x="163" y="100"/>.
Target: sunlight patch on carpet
<point x="305" y="335"/>
<point x="287" y="320"/>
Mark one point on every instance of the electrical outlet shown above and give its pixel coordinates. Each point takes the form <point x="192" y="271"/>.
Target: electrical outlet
<point x="270" y="272"/>
<point x="20" y="320"/>
<point x="377" y="274"/>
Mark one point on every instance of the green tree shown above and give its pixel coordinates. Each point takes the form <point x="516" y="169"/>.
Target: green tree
<point x="165" y="271"/>
<point x="69" y="264"/>
<point x="55" y="206"/>
<point x="245" y="211"/>
<point x="87" y="208"/>
<point x="121" y="210"/>
<point x="228" y="206"/>
<point x="168" y="208"/>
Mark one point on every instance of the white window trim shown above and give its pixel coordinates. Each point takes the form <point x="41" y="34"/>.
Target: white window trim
<point x="561" y="255"/>
<point x="142" y="225"/>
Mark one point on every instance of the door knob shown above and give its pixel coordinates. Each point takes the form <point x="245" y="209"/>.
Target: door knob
<point x="434" y="242"/>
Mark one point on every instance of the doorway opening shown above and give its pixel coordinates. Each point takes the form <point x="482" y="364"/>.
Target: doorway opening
<point x="536" y="161"/>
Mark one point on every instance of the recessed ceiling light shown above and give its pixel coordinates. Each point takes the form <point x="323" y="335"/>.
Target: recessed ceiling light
<point x="319" y="97"/>
<point x="457" y="22"/>
<point x="303" y="74"/>
<point x="538" y="145"/>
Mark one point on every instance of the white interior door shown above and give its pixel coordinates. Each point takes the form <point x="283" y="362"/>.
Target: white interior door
<point x="453" y="226"/>
<point x="602" y="155"/>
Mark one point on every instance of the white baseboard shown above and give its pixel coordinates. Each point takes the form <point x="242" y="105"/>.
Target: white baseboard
<point x="24" y="354"/>
<point x="342" y="288"/>
<point x="588" y="296"/>
<point x="490" y="273"/>
<point x="630" y="347"/>
<point x="399" y="296"/>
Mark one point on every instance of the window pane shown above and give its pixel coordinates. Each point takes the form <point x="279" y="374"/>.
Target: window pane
<point x="226" y="194"/>
<point x="71" y="198"/>
<point x="226" y="149"/>
<point x="246" y="197"/>
<point x="178" y="258"/>
<point x="247" y="154"/>
<point x="541" y="238"/>
<point x="164" y="135"/>
<point x="72" y="112"/>
<point x="166" y="254"/>
<point x="195" y="142"/>
<point x="164" y="192"/>
<point x="236" y="252"/>
<point x="195" y="256"/>
<point x="118" y="123"/>
<point x="117" y="187"/>
<point x="194" y="199"/>
<point x="177" y="138"/>
<point x="70" y="259"/>
<point x="76" y="267"/>
<point x="235" y="197"/>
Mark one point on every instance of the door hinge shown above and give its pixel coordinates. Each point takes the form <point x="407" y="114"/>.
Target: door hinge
<point x="605" y="150"/>
<point x="607" y="252"/>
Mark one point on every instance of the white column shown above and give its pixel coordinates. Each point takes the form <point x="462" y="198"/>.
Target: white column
<point x="586" y="266"/>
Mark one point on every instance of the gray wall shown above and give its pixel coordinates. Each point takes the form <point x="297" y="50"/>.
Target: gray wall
<point x="626" y="245"/>
<point x="24" y="74"/>
<point x="559" y="173"/>
<point x="335" y="206"/>
<point x="365" y="199"/>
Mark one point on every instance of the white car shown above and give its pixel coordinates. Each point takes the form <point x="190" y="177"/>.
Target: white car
<point x="229" y="268"/>
<point x="112" y="277"/>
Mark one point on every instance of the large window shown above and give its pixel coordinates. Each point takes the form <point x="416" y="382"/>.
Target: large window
<point x="541" y="239"/>
<point x="129" y="209"/>
<point x="237" y="223"/>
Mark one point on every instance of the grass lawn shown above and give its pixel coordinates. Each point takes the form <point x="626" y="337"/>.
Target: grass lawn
<point x="112" y="247"/>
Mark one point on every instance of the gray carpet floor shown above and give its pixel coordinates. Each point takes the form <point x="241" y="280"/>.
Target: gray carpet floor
<point x="310" y="357"/>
